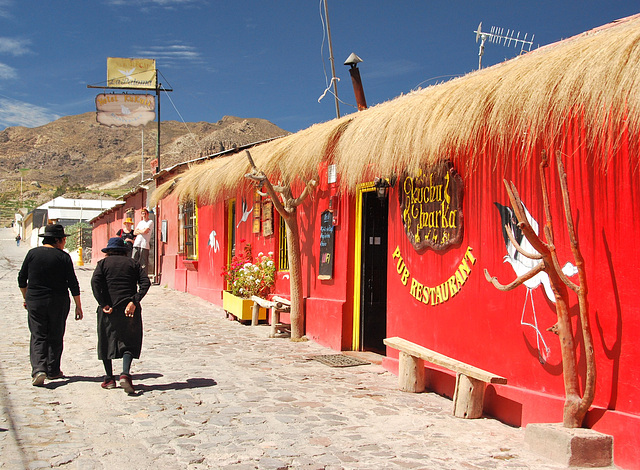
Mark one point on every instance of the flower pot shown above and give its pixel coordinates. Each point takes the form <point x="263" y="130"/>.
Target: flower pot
<point x="241" y="308"/>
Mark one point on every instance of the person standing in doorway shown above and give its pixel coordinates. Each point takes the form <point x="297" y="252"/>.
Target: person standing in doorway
<point x="142" y="243"/>
<point x="119" y="283"/>
<point x="45" y="279"/>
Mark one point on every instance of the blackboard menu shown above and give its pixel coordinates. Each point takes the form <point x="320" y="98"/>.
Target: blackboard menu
<point x="326" y="245"/>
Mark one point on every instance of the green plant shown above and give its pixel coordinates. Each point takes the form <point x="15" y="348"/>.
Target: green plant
<point x="74" y="236"/>
<point x="246" y="276"/>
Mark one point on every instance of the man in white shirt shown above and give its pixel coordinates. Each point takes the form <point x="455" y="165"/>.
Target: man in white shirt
<point x="141" y="244"/>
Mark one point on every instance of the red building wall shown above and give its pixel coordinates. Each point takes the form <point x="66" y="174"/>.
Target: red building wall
<point x="479" y="325"/>
<point x="482" y="326"/>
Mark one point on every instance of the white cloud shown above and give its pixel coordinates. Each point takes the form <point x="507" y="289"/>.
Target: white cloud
<point x="14" y="47"/>
<point x="7" y="72"/>
<point x="152" y="3"/>
<point x="4" y="7"/>
<point x="171" y="55"/>
<point x="19" y="113"/>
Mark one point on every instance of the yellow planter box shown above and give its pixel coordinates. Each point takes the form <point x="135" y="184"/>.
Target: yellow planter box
<point x="241" y="308"/>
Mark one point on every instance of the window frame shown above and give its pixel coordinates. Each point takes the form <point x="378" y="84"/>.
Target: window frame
<point x="283" y="246"/>
<point x="188" y="230"/>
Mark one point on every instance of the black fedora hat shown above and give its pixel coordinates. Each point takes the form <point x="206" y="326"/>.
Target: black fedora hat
<point x="115" y="244"/>
<point x="54" y="231"/>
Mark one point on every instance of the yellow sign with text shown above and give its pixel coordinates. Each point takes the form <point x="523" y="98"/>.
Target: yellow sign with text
<point x="131" y="73"/>
<point x="440" y="293"/>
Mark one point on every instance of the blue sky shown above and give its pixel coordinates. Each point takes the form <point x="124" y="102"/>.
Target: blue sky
<point x="259" y="59"/>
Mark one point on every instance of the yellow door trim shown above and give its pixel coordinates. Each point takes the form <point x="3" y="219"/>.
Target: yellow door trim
<point x="231" y="207"/>
<point x="195" y="231"/>
<point x="357" y="258"/>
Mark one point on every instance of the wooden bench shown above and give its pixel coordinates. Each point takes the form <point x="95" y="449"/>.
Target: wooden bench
<point x="277" y="305"/>
<point x="471" y="381"/>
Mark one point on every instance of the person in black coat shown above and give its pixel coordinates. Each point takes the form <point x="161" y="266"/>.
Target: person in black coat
<point x="119" y="283"/>
<point x="45" y="279"/>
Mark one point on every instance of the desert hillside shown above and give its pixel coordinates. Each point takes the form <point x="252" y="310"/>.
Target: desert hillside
<point x="77" y="157"/>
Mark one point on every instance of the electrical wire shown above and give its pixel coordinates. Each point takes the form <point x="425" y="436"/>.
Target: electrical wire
<point x="415" y="88"/>
<point x="328" y="83"/>
<point x="179" y="114"/>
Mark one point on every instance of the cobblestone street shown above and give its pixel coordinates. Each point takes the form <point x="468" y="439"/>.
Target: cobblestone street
<point x="216" y="394"/>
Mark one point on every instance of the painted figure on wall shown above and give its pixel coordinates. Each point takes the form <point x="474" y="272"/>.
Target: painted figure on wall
<point x="521" y="265"/>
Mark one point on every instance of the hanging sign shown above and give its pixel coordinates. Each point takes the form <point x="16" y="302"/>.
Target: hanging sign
<point x="431" y="205"/>
<point x="119" y="109"/>
<point x="131" y="73"/>
<point x="267" y="217"/>
<point x="325" y="270"/>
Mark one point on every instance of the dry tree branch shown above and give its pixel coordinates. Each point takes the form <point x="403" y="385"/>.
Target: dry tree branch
<point x="519" y="281"/>
<point x="575" y="406"/>
<point x="517" y="246"/>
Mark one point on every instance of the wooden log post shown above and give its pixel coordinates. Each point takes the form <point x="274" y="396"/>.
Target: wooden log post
<point x="255" y="313"/>
<point x="275" y="322"/>
<point x="468" y="397"/>
<point x="411" y="373"/>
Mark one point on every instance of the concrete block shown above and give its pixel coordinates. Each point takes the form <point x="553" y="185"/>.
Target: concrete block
<point x="575" y="447"/>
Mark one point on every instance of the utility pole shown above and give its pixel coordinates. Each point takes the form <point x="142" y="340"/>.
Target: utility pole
<point x="142" y="158"/>
<point x="158" y="85"/>
<point x="333" y="68"/>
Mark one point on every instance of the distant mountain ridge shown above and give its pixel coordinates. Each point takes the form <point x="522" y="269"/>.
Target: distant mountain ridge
<point x="89" y="154"/>
<point x="75" y="152"/>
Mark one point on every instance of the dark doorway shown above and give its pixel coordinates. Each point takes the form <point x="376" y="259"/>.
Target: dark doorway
<point x="373" y="291"/>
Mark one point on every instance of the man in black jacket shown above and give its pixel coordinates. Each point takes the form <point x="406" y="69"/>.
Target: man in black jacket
<point x="45" y="279"/>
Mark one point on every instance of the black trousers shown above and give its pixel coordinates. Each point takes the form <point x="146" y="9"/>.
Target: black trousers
<point x="47" y="322"/>
<point x="141" y="255"/>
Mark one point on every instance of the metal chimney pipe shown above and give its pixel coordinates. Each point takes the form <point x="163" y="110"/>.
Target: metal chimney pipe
<point x="352" y="61"/>
<point x="357" y="88"/>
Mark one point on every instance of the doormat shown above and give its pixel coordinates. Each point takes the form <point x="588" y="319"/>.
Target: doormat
<point x="339" y="360"/>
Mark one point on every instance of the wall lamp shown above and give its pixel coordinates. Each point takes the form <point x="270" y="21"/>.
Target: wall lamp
<point x="382" y="186"/>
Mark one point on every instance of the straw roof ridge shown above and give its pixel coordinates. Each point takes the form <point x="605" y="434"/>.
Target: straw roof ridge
<point x="517" y="105"/>
<point x="532" y="95"/>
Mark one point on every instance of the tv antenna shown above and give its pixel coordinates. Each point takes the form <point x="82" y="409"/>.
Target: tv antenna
<point x="497" y="36"/>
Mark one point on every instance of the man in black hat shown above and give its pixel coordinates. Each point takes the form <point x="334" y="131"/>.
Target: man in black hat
<point x="45" y="278"/>
<point x="119" y="283"/>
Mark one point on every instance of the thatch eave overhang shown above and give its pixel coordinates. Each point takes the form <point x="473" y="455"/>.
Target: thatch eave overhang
<point x="290" y="159"/>
<point x="525" y="101"/>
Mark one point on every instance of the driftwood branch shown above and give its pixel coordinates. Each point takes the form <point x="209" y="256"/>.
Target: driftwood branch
<point x="286" y="204"/>
<point x="590" y="380"/>
<point x="517" y="246"/>
<point x="305" y="193"/>
<point x="575" y="406"/>
<point x="258" y="175"/>
<point x="518" y="282"/>
<point x="548" y="223"/>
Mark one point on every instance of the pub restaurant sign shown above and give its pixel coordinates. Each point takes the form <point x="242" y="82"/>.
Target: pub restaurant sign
<point x="431" y="206"/>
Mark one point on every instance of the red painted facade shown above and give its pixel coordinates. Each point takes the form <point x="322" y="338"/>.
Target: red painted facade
<point x="464" y="316"/>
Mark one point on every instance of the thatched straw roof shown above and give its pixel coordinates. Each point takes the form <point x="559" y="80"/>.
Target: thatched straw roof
<point x="594" y="75"/>
<point x="284" y="159"/>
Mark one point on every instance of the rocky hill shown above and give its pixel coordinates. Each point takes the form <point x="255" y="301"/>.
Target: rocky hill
<point x="77" y="157"/>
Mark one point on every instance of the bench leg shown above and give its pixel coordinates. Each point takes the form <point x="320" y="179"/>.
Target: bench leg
<point x="255" y="313"/>
<point x="275" y="321"/>
<point x="468" y="397"/>
<point x="411" y="375"/>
